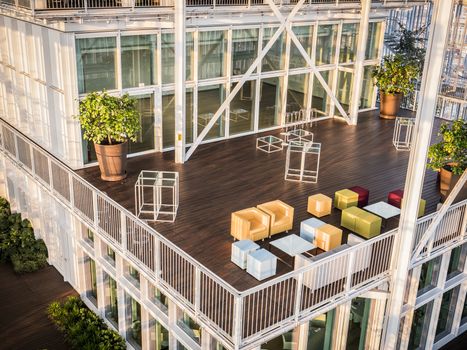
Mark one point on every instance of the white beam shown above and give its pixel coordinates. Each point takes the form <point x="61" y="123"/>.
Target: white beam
<point x="360" y="57"/>
<point x="402" y="251"/>
<point x="430" y="232"/>
<point x="242" y="81"/>
<point x="180" y="91"/>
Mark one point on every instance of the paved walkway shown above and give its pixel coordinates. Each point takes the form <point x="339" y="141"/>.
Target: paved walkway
<point x="23" y="303"/>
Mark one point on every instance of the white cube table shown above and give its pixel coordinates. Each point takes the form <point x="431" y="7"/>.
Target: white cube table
<point x="240" y="251"/>
<point x="261" y="264"/>
<point x="308" y="228"/>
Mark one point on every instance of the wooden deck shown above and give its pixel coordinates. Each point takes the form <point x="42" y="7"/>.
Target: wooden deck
<point x="227" y="176"/>
<point x="24" y="299"/>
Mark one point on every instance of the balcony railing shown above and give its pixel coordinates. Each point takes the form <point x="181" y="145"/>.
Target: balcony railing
<point x="85" y="5"/>
<point x="238" y="317"/>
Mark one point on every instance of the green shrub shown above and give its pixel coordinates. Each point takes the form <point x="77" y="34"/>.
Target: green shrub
<point x="82" y="328"/>
<point x="17" y="242"/>
<point x="395" y="75"/>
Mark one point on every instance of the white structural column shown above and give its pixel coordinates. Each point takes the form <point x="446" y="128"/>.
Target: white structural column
<point x="180" y="69"/>
<point x="360" y="57"/>
<point x="402" y="251"/>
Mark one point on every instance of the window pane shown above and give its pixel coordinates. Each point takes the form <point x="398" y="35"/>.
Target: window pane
<point x="189" y="55"/>
<point x="297" y="92"/>
<point x="374" y="36"/>
<point x="305" y="36"/>
<point x="96" y="64"/>
<point x="168" y="119"/>
<point x="212" y="46"/>
<point x="138" y="60"/>
<point x="348" y="46"/>
<point x="344" y="90"/>
<point x="455" y="265"/>
<point x="269" y="105"/>
<point x="244" y="49"/>
<point x="429" y="275"/>
<point x="111" y="310"/>
<point x="320" y="331"/>
<point x="242" y="107"/>
<point x="189" y="115"/>
<point x="190" y="327"/>
<point x="161" y="337"/>
<point x="368" y="88"/>
<point x="210" y="99"/>
<point x="326" y="44"/>
<point x="274" y="58"/>
<point x="134" y="321"/>
<point x="167" y="58"/>
<point x="358" y="323"/>
<point x="145" y="138"/>
<point x="420" y="315"/>
<point x="320" y="101"/>
<point x="285" y="341"/>
<point x="445" y="312"/>
<point x="92" y="281"/>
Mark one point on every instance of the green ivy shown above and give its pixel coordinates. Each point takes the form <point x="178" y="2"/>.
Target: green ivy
<point x="452" y="149"/>
<point x="107" y="119"/>
<point x="83" y="329"/>
<point x="18" y="244"/>
<point x="396" y="75"/>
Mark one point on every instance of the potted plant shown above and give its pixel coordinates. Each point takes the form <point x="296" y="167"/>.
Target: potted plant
<point x="449" y="156"/>
<point x="394" y="78"/>
<point x="109" y="122"/>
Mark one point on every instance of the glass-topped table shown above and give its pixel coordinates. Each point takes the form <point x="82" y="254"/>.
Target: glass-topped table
<point x="292" y="245"/>
<point x="269" y="144"/>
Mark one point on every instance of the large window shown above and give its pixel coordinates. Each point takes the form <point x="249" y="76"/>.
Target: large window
<point x="321" y="102"/>
<point x="358" y="323"/>
<point x="134" y="321"/>
<point x="305" y="37"/>
<point x="297" y="92"/>
<point x="446" y="313"/>
<point x="210" y="99"/>
<point x="190" y="327"/>
<point x="168" y="119"/>
<point x="145" y="138"/>
<point x="242" y="107"/>
<point x="274" y="58"/>
<point x="244" y="49"/>
<point x="320" y="331"/>
<point x="111" y="309"/>
<point x="421" y="315"/>
<point x="326" y="44"/>
<point x="344" y="90"/>
<point x="368" y="88"/>
<point x="138" y="60"/>
<point x="212" y="46"/>
<point x="456" y="262"/>
<point x="167" y="58"/>
<point x="96" y="61"/>
<point x="161" y="336"/>
<point x="348" y="47"/>
<point x="374" y="37"/>
<point x="92" y="281"/>
<point x="270" y="103"/>
<point x="429" y="275"/>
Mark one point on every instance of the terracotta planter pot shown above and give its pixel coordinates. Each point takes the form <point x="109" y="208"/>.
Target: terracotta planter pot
<point x="112" y="161"/>
<point x="447" y="182"/>
<point x="389" y="105"/>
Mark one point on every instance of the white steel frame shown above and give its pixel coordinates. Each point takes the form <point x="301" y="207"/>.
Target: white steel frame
<point x="303" y="150"/>
<point x="402" y="136"/>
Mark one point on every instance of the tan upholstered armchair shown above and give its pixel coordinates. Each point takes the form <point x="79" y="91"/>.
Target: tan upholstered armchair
<point x="281" y="216"/>
<point x="250" y="223"/>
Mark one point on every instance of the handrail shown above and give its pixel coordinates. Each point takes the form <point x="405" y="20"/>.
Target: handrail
<point x="217" y="304"/>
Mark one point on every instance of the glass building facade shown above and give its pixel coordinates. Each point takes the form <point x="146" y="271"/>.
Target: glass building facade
<point x="143" y="65"/>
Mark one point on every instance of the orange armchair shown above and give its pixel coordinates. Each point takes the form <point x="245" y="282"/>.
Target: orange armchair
<point x="281" y="216"/>
<point x="250" y="223"/>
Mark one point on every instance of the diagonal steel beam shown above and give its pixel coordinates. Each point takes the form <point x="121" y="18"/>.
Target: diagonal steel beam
<point x="438" y="217"/>
<point x="242" y="81"/>
<point x="307" y="58"/>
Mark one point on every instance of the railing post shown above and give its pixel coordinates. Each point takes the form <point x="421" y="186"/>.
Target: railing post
<point x="157" y="258"/>
<point x="238" y="322"/>
<point x="96" y="211"/>
<point x="33" y="6"/>
<point x="15" y="138"/>
<point x="51" y="178"/>
<point x="197" y="290"/>
<point x="351" y="262"/>
<point x="70" y="185"/>
<point x="85" y="6"/>
<point x="298" y="296"/>
<point x="123" y="231"/>
<point x="464" y="223"/>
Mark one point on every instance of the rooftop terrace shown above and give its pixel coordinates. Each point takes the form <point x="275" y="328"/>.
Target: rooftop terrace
<point x="227" y="176"/>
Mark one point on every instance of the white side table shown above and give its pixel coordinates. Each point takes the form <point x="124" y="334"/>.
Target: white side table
<point x="240" y="251"/>
<point x="300" y="135"/>
<point x="269" y="144"/>
<point x="302" y="161"/>
<point x="403" y="130"/>
<point x="261" y="264"/>
<point x="308" y="228"/>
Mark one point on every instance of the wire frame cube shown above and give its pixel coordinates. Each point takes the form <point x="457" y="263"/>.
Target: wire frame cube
<point x="302" y="161"/>
<point x="300" y="135"/>
<point x="403" y="130"/>
<point x="157" y="195"/>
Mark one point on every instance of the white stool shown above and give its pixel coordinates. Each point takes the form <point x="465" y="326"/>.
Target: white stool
<point x="308" y="228"/>
<point x="240" y="251"/>
<point x="261" y="264"/>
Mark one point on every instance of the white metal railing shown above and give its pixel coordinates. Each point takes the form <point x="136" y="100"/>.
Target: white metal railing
<point x="238" y="317"/>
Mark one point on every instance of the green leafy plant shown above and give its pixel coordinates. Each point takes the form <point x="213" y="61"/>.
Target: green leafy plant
<point x="107" y="119"/>
<point x="18" y="244"/>
<point x="451" y="151"/>
<point x="82" y="328"/>
<point x="396" y="75"/>
<point x="410" y="44"/>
